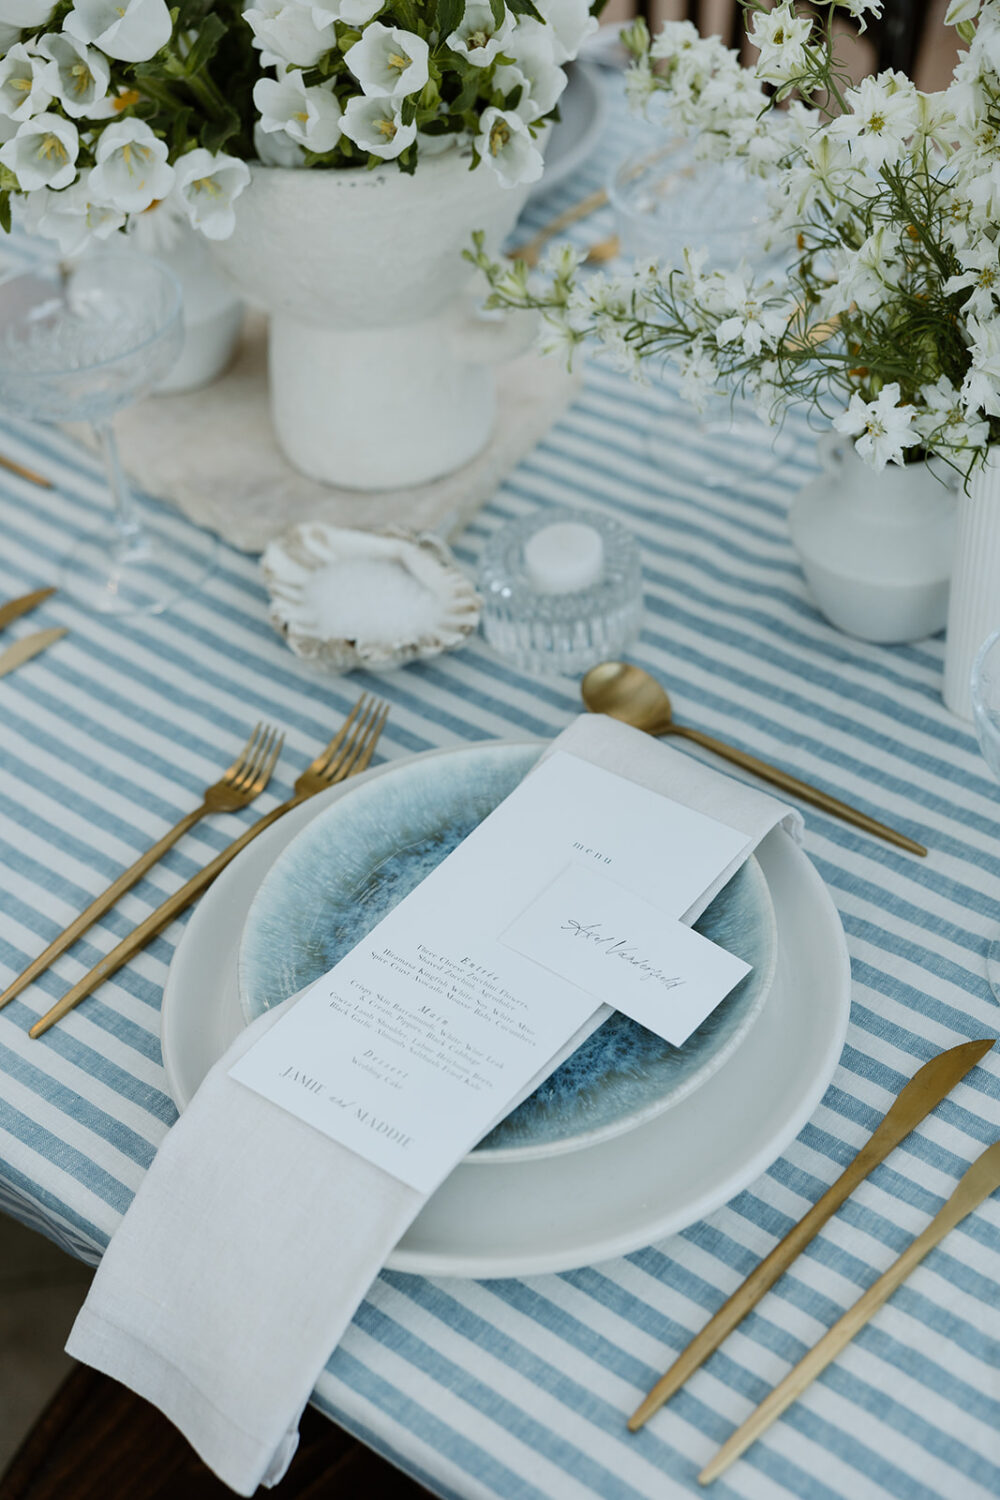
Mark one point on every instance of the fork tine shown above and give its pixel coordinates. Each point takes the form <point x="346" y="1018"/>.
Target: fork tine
<point x="248" y="777"/>
<point x="323" y="759"/>
<point x="335" y="765"/>
<point x="232" y="773"/>
<point x="368" y="751"/>
<point x="362" y="743"/>
<point x="264" y="773"/>
<point x="250" y="757"/>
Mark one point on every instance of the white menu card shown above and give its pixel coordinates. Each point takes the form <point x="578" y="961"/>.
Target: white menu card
<point x="417" y="1041"/>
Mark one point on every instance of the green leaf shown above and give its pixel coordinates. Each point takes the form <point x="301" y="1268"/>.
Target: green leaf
<point x="449" y="17"/>
<point x="499" y="10"/>
<point x="5" y="211"/>
<point x="216" y="133"/>
<point x="212" y="31"/>
<point x="528" y="8"/>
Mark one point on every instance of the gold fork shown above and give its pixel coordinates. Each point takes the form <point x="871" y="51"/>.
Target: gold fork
<point x="347" y="754"/>
<point x="237" y="787"/>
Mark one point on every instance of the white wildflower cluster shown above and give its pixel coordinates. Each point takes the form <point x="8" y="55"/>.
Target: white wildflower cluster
<point x="885" y="203"/>
<point x="108" y="107"/>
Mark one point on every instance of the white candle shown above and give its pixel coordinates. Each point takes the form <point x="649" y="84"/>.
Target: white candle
<point x="564" y="558"/>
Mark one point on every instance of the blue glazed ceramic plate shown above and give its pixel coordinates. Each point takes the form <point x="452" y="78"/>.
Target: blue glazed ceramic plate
<point x="355" y="861"/>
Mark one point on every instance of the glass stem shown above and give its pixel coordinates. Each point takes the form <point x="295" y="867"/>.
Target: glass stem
<point x="126" y="521"/>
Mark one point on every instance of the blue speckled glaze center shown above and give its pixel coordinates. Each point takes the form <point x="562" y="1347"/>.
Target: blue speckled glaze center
<point x="356" y="860"/>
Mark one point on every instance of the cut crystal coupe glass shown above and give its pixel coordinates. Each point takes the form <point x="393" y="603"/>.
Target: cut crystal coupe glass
<point x="986" y="717"/>
<point x="78" y="344"/>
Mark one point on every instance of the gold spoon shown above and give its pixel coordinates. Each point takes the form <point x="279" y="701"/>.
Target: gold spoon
<point x="625" y="691"/>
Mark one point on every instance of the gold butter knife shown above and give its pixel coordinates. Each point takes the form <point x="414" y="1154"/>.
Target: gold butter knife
<point x="15" y="608"/>
<point x="29" y="646"/>
<point x="925" y="1090"/>
<point x="982" y="1179"/>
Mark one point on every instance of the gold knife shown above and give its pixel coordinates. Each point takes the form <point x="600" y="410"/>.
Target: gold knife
<point x="925" y="1090"/>
<point x="29" y="646"/>
<point x="15" y="608"/>
<point x="982" y="1179"/>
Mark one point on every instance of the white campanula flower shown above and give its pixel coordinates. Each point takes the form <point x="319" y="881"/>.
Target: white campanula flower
<point x="351" y="12"/>
<point x="478" y="38"/>
<point x="961" y="10"/>
<point x="885" y="427"/>
<point x="127" y="30"/>
<point x="981" y="272"/>
<point x="23" y="90"/>
<point x="375" y="124"/>
<point x="882" y="119"/>
<point x="533" y="71"/>
<point x="25" y="15"/>
<point x="207" y="185"/>
<point x="291" y="32"/>
<point x="309" y="117"/>
<point x="389" y="63"/>
<point x="131" y="169"/>
<point x="76" y="75"/>
<point x="981" y="386"/>
<point x="43" y="153"/>
<point x="944" y="421"/>
<point x="569" y="23"/>
<point x="276" y="149"/>
<point x="781" y="36"/>
<point x="504" y="142"/>
<point x="71" y="217"/>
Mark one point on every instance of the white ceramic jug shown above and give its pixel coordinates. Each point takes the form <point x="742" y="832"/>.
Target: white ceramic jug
<point x="876" y="546"/>
<point x="381" y="372"/>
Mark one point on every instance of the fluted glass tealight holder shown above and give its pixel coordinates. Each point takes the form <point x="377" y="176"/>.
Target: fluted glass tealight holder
<point x="562" y="590"/>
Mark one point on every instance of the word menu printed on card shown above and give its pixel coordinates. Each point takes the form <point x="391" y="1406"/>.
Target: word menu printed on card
<point x="567" y="896"/>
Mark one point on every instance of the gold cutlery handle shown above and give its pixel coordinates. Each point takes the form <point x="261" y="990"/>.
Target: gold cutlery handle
<point x="157" y="921"/>
<point x="797" y="788"/>
<point x="16" y="468"/>
<point x="931" y="1083"/>
<point x="529" y="251"/>
<point x="982" y="1179"/>
<point x="102" y="903"/>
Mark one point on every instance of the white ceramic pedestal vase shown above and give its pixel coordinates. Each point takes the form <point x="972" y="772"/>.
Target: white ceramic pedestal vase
<point x="974" y="612"/>
<point x="876" y="546"/>
<point x="381" y="371"/>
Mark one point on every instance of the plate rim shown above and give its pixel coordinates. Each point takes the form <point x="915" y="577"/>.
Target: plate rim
<point x="492" y="1156"/>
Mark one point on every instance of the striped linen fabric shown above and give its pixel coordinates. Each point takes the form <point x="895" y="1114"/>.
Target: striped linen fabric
<point x="518" y="1389"/>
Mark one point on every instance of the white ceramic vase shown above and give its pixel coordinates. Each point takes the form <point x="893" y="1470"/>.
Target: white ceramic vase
<point x="974" y="612"/>
<point x="876" y="546"/>
<point x="381" y="371"/>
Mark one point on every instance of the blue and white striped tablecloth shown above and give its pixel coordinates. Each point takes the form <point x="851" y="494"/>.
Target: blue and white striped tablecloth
<point x="512" y="1389"/>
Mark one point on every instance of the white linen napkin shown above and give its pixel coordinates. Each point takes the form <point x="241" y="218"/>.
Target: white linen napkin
<point x="253" y="1237"/>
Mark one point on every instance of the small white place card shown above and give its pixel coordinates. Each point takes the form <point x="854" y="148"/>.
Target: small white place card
<point x="625" y="953"/>
<point x="419" y="1039"/>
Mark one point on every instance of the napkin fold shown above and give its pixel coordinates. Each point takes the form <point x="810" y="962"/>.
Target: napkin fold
<point x="253" y="1237"/>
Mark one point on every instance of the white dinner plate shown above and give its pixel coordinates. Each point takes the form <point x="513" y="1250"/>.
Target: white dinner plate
<point x="609" y="1199"/>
